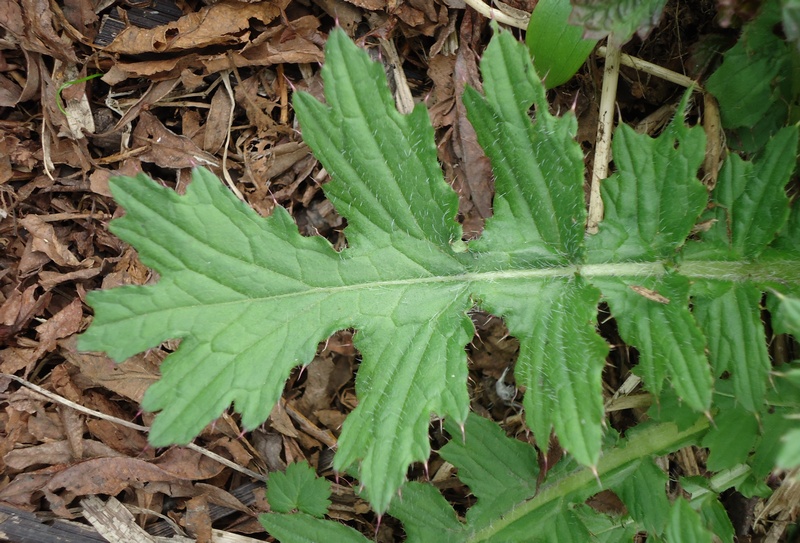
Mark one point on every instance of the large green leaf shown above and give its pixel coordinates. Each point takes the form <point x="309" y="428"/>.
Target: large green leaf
<point x="250" y="298"/>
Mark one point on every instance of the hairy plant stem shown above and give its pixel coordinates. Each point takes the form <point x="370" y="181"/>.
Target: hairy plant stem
<point x="646" y="443"/>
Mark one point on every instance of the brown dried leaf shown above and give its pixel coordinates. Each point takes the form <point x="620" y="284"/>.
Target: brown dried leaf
<point x="299" y="47"/>
<point x="20" y="491"/>
<point x="187" y="464"/>
<point x="46" y="241"/>
<point x="129" y="379"/>
<point x="219" y="496"/>
<point x="370" y="5"/>
<point x="280" y="421"/>
<point x="155" y="70"/>
<point x="19" y="308"/>
<point x="218" y="121"/>
<point x="81" y="15"/>
<point x="197" y="519"/>
<point x="31" y="23"/>
<point x="100" y="476"/>
<point x="153" y="95"/>
<point x="224" y="23"/>
<point x="9" y="96"/>
<point x="73" y="427"/>
<point x="124" y="440"/>
<point x="58" y="452"/>
<point x="64" y="323"/>
<point x="49" y="279"/>
<point x="14" y="359"/>
<point x="324" y="380"/>
<point x="474" y="174"/>
<point x="168" y="149"/>
<point x="46" y="427"/>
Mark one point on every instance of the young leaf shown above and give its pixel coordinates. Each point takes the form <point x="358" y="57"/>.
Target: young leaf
<point x="731" y="438"/>
<point x="789" y="455"/>
<point x="298" y="489"/>
<point x="716" y="518"/>
<point x="426" y="515"/>
<point x="557" y="48"/>
<point x="785" y="313"/>
<point x="748" y="84"/>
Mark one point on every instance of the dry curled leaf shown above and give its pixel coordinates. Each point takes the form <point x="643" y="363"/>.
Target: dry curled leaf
<point x="223" y="23"/>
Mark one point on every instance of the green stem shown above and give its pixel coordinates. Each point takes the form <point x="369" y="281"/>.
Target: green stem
<point x="69" y="84"/>
<point x="646" y="443"/>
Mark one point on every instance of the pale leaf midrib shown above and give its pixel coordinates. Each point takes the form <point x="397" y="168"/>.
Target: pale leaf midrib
<point x="736" y="271"/>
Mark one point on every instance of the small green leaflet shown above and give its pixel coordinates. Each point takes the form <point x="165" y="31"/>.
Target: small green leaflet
<point x="250" y="298"/>
<point x="298" y="489"/>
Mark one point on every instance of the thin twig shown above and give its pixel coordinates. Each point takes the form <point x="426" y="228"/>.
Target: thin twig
<point x="653" y="69"/>
<point x="602" y="153"/>
<point x="122" y="422"/>
<point x="497" y="15"/>
<point x="226" y="81"/>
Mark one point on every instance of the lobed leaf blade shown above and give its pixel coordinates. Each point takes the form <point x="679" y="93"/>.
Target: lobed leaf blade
<point x="385" y="173"/>
<point x="561" y="357"/>
<point x="298" y="489"/>
<point x="652" y="315"/>
<point x="644" y="493"/>
<point x="729" y="315"/>
<point x="751" y="205"/>
<point x="499" y="471"/>
<point x="426" y="515"/>
<point x="654" y="198"/>
<point x="539" y="209"/>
